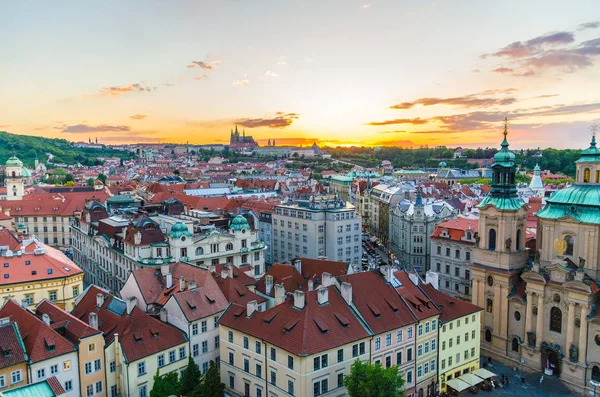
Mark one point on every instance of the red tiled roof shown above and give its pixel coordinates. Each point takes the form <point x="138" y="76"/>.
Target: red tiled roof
<point x="419" y="303"/>
<point x="369" y="291"/>
<point x="74" y="328"/>
<point x="52" y="264"/>
<point x="260" y="205"/>
<point x="283" y="274"/>
<point x="201" y="302"/>
<point x="140" y="334"/>
<point x="313" y="329"/>
<point x="236" y="292"/>
<point x="53" y="204"/>
<point x="7" y="238"/>
<point x="457" y="229"/>
<point x="40" y="340"/>
<point x="238" y="274"/>
<point x="451" y="307"/>
<point x="314" y="268"/>
<point x="11" y="350"/>
<point x="55" y="386"/>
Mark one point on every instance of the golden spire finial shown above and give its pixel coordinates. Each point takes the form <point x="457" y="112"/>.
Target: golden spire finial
<point x="505" y="126"/>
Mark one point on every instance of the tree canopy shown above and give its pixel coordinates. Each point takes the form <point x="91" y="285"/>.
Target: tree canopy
<point x="372" y="380"/>
<point x="165" y="385"/>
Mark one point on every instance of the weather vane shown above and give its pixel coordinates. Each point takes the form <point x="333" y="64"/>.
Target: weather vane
<point x="594" y="129"/>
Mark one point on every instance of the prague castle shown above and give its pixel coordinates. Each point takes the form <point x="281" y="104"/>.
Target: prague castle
<point x="541" y="311"/>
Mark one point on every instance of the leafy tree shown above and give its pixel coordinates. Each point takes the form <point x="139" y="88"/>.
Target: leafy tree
<point x="69" y="178"/>
<point x="102" y="178"/>
<point x="520" y="178"/>
<point x="166" y="385"/>
<point x="69" y="183"/>
<point x="176" y="172"/>
<point x="211" y="385"/>
<point x="372" y="380"/>
<point x="190" y="378"/>
<point x="90" y="182"/>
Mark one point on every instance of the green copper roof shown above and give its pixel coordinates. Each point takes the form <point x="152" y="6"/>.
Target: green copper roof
<point x="119" y="198"/>
<point x="505" y="156"/>
<point x="502" y="203"/>
<point x="14" y="162"/>
<point x="239" y="223"/>
<point x="580" y="202"/>
<point x="591" y="154"/>
<point x="25" y="172"/>
<point x="179" y="229"/>
<point x="40" y="389"/>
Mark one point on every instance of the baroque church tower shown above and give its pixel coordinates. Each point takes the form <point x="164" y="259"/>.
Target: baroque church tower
<point x="500" y="255"/>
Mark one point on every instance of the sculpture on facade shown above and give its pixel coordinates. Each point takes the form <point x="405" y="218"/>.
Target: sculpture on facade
<point x="508" y="243"/>
<point x="574" y="354"/>
<point x="531" y="339"/>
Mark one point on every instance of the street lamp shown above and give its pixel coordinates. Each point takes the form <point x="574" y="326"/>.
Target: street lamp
<point x="594" y="383"/>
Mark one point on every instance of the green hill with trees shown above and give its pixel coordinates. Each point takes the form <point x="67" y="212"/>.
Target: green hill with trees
<point x="26" y="148"/>
<point x="555" y="160"/>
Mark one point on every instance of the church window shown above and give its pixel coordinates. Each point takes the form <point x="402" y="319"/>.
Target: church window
<point x="577" y="322"/>
<point x="518" y="315"/>
<point x="229" y="247"/>
<point x="492" y="239"/>
<point x="596" y="373"/>
<point x="515" y="345"/>
<point x="488" y="335"/>
<point x="597" y="339"/>
<point x="490" y="306"/>
<point x="199" y="251"/>
<point x="518" y="242"/>
<point x="555" y="320"/>
<point x="14" y="174"/>
<point x="490" y="281"/>
<point x="570" y="243"/>
<point x="586" y="175"/>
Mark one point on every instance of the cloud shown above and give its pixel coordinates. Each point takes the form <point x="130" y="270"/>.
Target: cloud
<point x="268" y="73"/>
<point x="81" y="128"/>
<point x="549" y="51"/>
<point x="200" y="64"/>
<point x="130" y="139"/>
<point x="366" y="5"/>
<point x="392" y="132"/>
<point x="120" y="90"/>
<point x="241" y="82"/>
<point x="138" y="116"/>
<point x="281" y="120"/>
<point x="481" y="99"/>
<point x="401" y="143"/>
<point x="281" y="61"/>
<point x="545" y="96"/>
<point x="589" y="25"/>
<point x="202" y="76"/>
<point x="415" y="121"/>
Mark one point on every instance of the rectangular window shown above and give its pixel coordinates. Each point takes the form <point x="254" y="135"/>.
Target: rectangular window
<point x="273" y="354"/>
<point x="204" y="326"/>
<point x="99" y="387"/>
<point x="66" y="365"/>
<point x="113" y="391"/>
<point x="388" y="361"/>
<point x="88" y="368"/>
<point x="258" y="371"/>
<point x="388" y="339"/>
<point x="89" y="390"/>
<point x="377" y="343"/>
<point x="419" y="371"/>
<point x="258" y="347"/>
<point x="427" y="325"/>
<point x="15" y="377"/>
<point x="141" y="368"/>
<point x="69" y="385"/>
<point x="290" y="362"/>
<point x="195" y="351"/>
<point x="409" y="354"/>
<point x="420" y="330"/>
<point x="204" y="346"/>
<point x="246" y="365"/>
<point x="246" y="343"/>
<point x="54" y="369"/>
<point x="230" y="336"/>
<point x="399" y="357"/>
<point x="409" y="377"/>
<point x="410" y="333"/>
<point x="172" y="356"/>
<point x="432" y="344"/>
<point x="419" y="350"/>
<point x="399" y="336"/>
<point x="231" y="358"/>
<point x="195" y="329"/>
<point x="41" y="373"/>
<point x="142" y="391"/>
<point x="290" y="387"/>
<point x="217" y="342"/>
<point x="426" y="347"/>
<point x="340" y="355"/>
<point x="97" y="365"/>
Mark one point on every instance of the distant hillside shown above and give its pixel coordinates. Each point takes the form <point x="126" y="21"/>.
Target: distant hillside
<point x="26" y="147"/>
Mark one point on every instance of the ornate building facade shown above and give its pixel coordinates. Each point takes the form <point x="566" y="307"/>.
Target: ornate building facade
<point x="541" y="315"/>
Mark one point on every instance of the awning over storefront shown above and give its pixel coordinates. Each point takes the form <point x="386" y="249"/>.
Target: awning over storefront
<point x="471" y="379"/>
<point x="483" y="373"/>
<point x="373" y="239"/>
<point x="458" y="384"/>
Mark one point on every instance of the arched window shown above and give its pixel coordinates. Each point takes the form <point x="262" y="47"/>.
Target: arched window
<point x="490" y="306"/>
<point x="596" y="373"/>
<point x="555" y="320"/>
<point x="515" y="345"/>
<point x="597" y="176"/>
<point x="488" y="335"/>
<point x="570" y="242"/>
<point x="229" y="247"/>
<point x="14" y="174"/>
<point x="199" y="251"/>
<point x="492" y="239"/>
<point x="518" y="242"/>
<point x="586" y="175"/>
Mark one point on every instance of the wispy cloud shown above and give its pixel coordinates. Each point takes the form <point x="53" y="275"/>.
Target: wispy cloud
<point x="138" y="116"/>
<point x="268" y="73"/>
<point x="415" y="121"/>
<point x="241" y="82"/>
<point x="84" y="128"/>
<point x="545" y="96"/>
<point x="392" y="132"/>
<point x="201" y="77"/>
<point x="124" y="89"/>
<point x="200" y="64"/>
<point x="512" y="72"/>
<point x="481" y="99"/>
<point x="281" y="120"/>
<point x="281" y="61"/>
<point x="589" y="25"/>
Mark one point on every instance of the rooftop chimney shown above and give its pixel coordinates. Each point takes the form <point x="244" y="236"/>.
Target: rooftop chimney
<point x="388" y="272"/>
<point x="326" y="279"/>
<point x="46" y="318"/>
<point x="251" y="307"/>
<point x="323" y="295"/>
<point x="414" y="278"/>
<point x="99" y="300"/>
<point x="181" y="283"/>
<point x="298" y="265"/>
<point x="212" y="268"/>
<point x="164" y="269"/>
<point x="279" y="294"/>
<point x="192" y="285"/>
<point x="224" y="274"/>
<point x="163" y="315"/>
<point x="268" y="284"/>
<point x="24" y="303"/>
<point x="311" y="285"/>
<point x="347" y="292"/>
<point x="299" y="299"/>
<point x="93" y="320"/>
<point x="433" y="279"/>
<point x="131" y="303"/>
<point x="169" y="280"/>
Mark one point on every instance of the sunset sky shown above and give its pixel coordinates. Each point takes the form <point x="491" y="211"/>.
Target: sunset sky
<point x="339" y="72"/>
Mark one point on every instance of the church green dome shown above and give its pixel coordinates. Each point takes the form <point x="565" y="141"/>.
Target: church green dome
<point x="239" y="223"/>
<point x="591" y="154"/>
<point x="179" y="229"/>
<point x="580" y="202"/>
<point x="505" y="155"/>
<point x="25" y="172"/>
<point x="442" y="164"/>
<point x="14" y="162"/>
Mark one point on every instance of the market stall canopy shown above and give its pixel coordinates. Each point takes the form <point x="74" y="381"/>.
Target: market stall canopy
<point x="483" y="373"/>
<point x="458" y="384"/>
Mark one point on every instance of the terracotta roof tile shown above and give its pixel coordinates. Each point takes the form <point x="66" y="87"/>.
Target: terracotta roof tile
<point x="74" y="328"/>
<point x="451" y="307"/>
<point x="419" y="303"/>
<point x="12" y="351"/>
